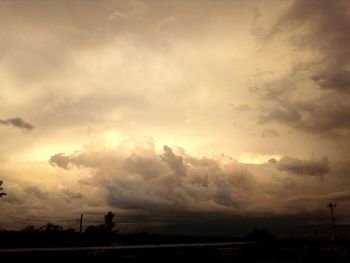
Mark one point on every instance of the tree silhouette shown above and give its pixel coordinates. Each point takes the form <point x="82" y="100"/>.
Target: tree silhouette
<point x="49" y="227"/>
<point x="1" y="190"/>
<point x="29" y="229"/>
<point x="109" y="224"/>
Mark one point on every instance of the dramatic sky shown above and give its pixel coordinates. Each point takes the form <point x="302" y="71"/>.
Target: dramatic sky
<point x="171" y="112"/>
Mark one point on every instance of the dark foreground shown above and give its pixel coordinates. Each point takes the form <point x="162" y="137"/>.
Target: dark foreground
<point x="278" y="251"/>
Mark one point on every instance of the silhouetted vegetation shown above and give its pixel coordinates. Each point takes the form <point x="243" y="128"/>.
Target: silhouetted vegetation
<point x="2" y="193"/>
<point x="109" y="224"/>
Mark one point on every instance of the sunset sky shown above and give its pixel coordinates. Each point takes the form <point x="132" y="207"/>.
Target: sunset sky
<point x="168" y="111"/>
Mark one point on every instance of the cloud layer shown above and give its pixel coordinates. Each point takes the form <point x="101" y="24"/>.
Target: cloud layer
<point x="18" y="123"/>
<point x="300" y="167"/>
<point x="173" y="181"/>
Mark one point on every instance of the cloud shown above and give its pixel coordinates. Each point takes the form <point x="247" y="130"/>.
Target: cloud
<point x="283" y="114"/>
<point x="60" y="160"/>
<point x="313" y="96"/>
<point x="328" y="33"/>
<point x="175" y="184"/>
<point x="71" y="195"/>
<point x="145" y="186"/>
<point x="328" y="115"/>
<point x="342" y="196"/>
<point x="337" y="80"/>
<point x="302" y="167"/>
<point x="148" y="181"/>
<point x="269" y="133"/>
<point x="35" y="191"/>
<point x="18" y="123"/>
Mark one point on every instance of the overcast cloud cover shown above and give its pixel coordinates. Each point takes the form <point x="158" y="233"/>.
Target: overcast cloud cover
<point x="165" y="111"/>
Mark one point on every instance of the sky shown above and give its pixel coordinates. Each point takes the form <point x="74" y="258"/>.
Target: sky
<point x="170" y="112"/>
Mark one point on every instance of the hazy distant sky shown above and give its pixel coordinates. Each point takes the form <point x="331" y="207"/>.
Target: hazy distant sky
<point x="168" y="110"/>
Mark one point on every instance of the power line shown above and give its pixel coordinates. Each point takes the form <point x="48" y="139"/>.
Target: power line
<point x="18" y="221"/>
<point x="21" y="220"/>
<point x="35" y="219"/>
<point x="2" y="227"/>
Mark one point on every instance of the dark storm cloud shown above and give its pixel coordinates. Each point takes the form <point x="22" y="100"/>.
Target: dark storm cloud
<point x="337" y="80"/>
<point x="321" y="28"/>
<point x="329" y="35"/>
<point x="328" y="115"/>
<point x="302" y="167"/>
<point x="150" y="182"/>
<point x="18" y="123"/>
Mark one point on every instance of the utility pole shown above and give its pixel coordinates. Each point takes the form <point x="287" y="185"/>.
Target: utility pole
<point x="81" y="223"/>
<point x="331" y="208"/>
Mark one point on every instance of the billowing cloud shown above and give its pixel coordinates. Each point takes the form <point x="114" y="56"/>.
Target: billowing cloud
<point x="302" y="167"/>
<point x="144" y="182"/>
<point x="145" y="186"/>
<point x="18" y="123"/>
<point x="147" y="181"/>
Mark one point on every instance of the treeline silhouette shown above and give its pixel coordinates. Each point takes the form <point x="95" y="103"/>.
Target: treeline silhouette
<point x="54" y="235"/>
<point x="50" y="235"/>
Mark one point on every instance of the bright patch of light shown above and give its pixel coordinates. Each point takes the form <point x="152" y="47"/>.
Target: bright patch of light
<point x="256" y="158"/>
<point x="113" y="138"/>
<point x="42" y="153"/>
